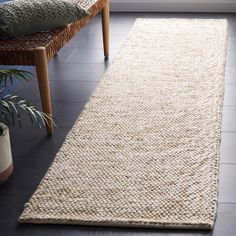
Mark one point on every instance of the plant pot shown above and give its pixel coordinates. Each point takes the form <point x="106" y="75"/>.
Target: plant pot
<point x="6" y="165"/>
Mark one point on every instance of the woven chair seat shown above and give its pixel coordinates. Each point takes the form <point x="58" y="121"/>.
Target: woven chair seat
<point x="20" y="50"/>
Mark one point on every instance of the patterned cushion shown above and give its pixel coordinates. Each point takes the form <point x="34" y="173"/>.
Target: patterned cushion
<point x="30" y="16"/>
<point x="86" y="4"/>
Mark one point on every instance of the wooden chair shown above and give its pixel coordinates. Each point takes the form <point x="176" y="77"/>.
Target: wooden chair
<point x="37" y="49"/>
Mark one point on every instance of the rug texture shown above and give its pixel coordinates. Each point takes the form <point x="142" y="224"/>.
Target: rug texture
<point x="145" y="150"/>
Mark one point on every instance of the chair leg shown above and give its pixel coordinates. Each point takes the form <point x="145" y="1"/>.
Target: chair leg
<point x="105" y="28"/>
<point x="42" y="74"/>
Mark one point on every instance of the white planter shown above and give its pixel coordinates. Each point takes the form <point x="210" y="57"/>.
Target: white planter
<point x="6" y="165"/>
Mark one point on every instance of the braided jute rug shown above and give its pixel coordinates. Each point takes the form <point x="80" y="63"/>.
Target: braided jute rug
<point x="145" y="150"/>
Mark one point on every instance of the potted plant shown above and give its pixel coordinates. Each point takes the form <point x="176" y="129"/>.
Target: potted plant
<point x="11" y="107"/>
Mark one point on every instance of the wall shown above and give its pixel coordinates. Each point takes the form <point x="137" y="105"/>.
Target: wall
<point x="174" y="5"/>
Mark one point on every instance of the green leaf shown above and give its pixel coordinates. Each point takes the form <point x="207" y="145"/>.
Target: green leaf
<point x="11" y="106"/>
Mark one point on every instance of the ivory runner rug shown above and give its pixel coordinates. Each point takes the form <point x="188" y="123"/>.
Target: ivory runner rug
<point x="145" y="150"/>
